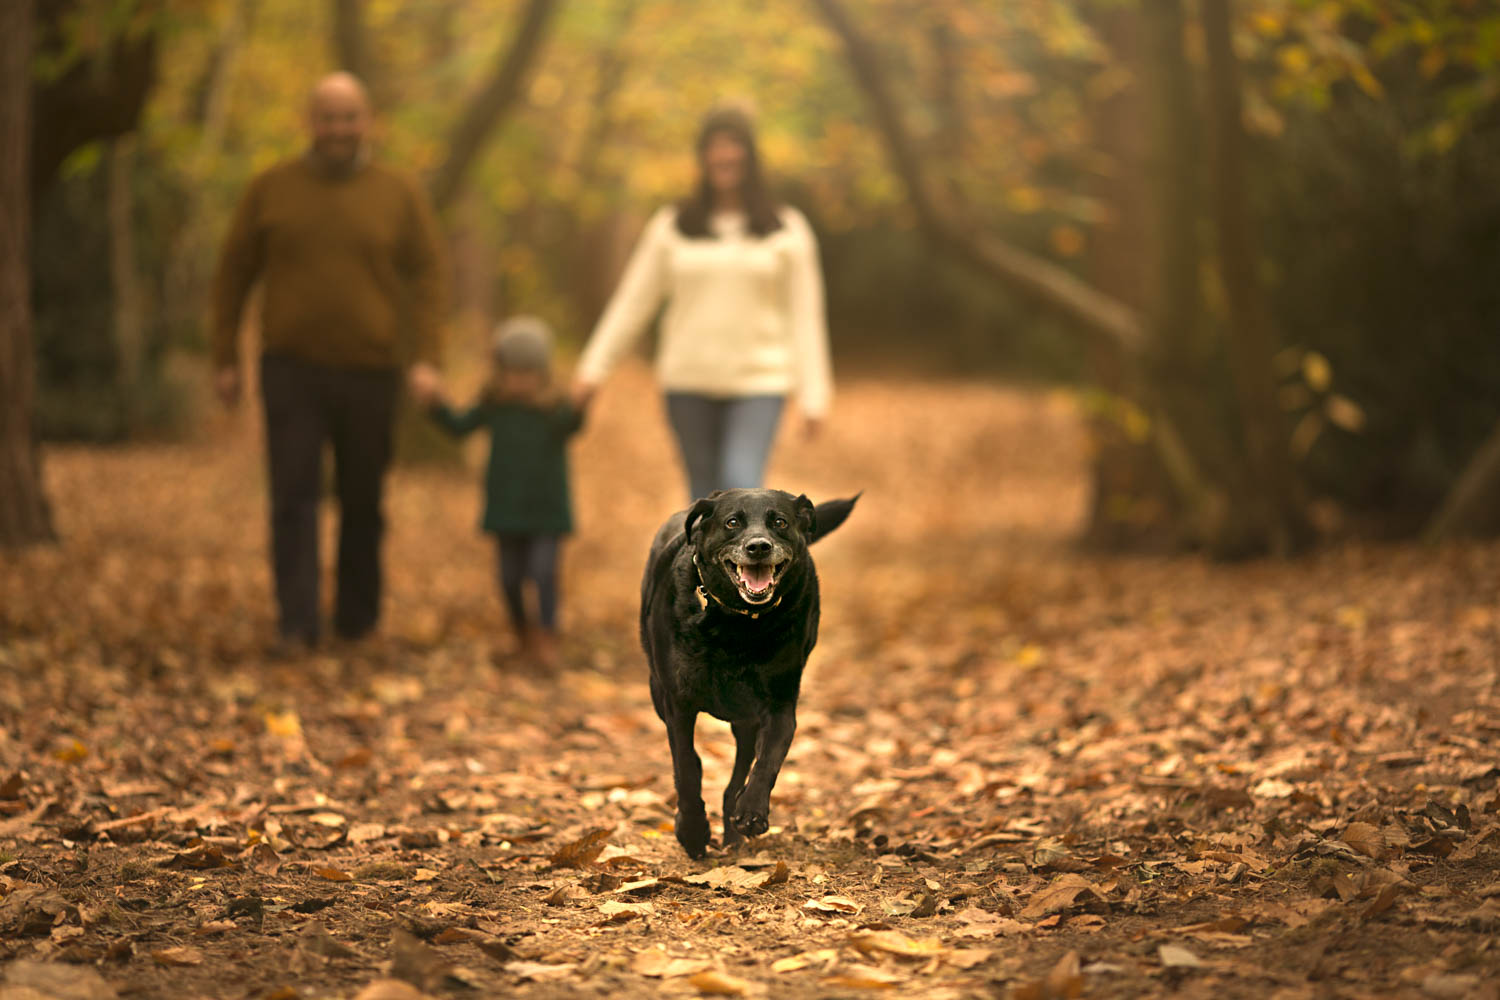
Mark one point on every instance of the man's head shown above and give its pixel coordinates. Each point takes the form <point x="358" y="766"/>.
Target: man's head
<point x="338" y="118"/>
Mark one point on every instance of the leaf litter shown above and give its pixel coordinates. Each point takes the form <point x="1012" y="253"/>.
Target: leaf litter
<point x="1020" y="768"/>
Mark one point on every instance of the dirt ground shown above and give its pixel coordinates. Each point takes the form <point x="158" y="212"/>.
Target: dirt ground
<point x="1021" y="769"/>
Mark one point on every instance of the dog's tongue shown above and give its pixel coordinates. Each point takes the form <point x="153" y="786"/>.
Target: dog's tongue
<point x="757" y="578"/>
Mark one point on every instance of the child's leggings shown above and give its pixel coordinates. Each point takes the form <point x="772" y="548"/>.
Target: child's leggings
<point x="534" y="558"/>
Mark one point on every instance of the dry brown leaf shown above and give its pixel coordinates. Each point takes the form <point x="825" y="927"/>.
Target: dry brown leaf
<point x="1175" y="956"/>
<point x="262" y="859"/>
<point x="540" y="971"/>
<point x="1366" y="838"/>
<point x="659" y="965"/>
<point x="833" y="904"/>
<point x="823" y="956"/>
<point x="582" y="852"/>
<point x="896" y="943"/>
<point x="333" y="874"/>
<point x="1065" y="892"/>
<point x="390" y="989"/>
<point x="720" y="984"/>
<point x="182" y="955"/>
<point x="864" y="977"/>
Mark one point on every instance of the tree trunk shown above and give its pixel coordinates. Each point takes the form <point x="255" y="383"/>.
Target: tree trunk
<point x="489" y="107"/>
<point x="1115" y="327"/>
<point x="129" y="297"/>
<point x="24" y="517"/>
<point x="1471" y="505"/>
<point x="1132" y="502"/>
<point x="351" y="48"/>
<point x="1271" y="495"/>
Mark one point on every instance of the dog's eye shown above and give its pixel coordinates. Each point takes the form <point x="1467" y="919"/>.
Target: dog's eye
<point x="780" y="523"/>
<point x="732" y="522"/>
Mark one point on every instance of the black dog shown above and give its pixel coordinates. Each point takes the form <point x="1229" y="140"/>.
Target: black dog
<point x="729" y="614"/>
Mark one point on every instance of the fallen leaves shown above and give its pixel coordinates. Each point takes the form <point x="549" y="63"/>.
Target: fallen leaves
<point x="1064" y="893"/>
<point x="1142" y="760"/>
<point x="581" y="852"/>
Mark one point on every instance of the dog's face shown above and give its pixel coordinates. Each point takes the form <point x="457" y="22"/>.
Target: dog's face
<point x="747" y="540"/>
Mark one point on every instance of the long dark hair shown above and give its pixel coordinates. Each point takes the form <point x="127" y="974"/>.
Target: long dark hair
<point x="760" y="207"/>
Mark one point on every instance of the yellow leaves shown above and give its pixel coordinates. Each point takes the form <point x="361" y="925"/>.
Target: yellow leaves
<point x="1316" y="371"/>
<point x="285" y="725"/>
<point x="333" y="874"/>
<point x="1066" y="240"/>
<point x="71" y="752"/>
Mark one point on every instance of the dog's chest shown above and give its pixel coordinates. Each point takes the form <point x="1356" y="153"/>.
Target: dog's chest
<point x="736" y="674"/>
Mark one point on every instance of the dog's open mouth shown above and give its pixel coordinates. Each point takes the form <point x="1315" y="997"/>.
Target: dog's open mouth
<point x="756" y="582"/>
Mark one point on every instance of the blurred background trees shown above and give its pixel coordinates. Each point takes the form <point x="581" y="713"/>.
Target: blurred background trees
<point x="1258" y="240"/>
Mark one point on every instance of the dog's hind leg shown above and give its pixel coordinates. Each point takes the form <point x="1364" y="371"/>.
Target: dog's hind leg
<point x="687" y="776"/>
<point x="752" y="808"/>
<point x="745" y="734"/>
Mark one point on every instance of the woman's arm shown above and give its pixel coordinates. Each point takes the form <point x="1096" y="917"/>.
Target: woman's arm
<point x="457" y="422"/>
<point x="808" y="319"/>
<point x="636" y="299"/>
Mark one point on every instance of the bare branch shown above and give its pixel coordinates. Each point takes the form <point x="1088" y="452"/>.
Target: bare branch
<point x="489" y="107"/>
<point x="1100" y="314"/>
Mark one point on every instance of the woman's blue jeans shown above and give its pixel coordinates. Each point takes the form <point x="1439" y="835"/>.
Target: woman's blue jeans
<point x="725" y="442"/>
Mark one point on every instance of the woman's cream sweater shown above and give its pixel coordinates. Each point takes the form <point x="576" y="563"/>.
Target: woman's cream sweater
<point x="744" y="314"/>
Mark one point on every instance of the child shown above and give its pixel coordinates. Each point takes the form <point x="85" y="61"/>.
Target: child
<point x="527" y="507"/>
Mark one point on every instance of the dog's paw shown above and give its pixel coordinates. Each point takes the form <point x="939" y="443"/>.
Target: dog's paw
<point x="692" y="834"/>
<point x="750" y="821"/>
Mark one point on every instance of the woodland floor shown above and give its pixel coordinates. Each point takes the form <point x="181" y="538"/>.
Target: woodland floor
<point x="1021" y="769"/>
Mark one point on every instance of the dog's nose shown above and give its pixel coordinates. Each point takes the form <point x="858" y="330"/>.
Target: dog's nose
<point x="758" y="549"/>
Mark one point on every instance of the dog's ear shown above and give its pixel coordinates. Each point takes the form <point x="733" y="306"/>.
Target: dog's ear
<point x="807" y="515"/>
<point x="703" y="508"/>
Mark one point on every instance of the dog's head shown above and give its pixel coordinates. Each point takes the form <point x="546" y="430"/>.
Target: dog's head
<point x="746" y="541"/>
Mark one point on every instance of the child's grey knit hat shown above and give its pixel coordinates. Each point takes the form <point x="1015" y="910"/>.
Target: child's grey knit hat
<point x="522" y="342"/>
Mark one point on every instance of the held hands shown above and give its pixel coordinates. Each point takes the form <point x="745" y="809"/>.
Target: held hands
<point x="582" y="393"/>
<point x="426" y="384"/>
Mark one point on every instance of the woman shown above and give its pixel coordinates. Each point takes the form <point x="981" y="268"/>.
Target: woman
<point x="744" y="325"/>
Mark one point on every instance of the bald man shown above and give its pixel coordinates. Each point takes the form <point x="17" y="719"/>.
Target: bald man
<point x="347" y="253"/>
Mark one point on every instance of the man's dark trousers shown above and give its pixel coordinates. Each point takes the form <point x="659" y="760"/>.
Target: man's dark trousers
<point x="306" y="405"/>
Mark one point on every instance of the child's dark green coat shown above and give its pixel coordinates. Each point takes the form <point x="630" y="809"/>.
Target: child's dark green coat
<point x="526" y="482"/>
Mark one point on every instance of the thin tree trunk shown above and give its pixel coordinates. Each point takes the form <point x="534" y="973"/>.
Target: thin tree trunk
<point x="24" y="516"/>
<point x="1470" y="506"/>
<point x="129" y="298"/>
<point x="1271" y="494"/>
<point x="490" y="106"/>
<point x="1099" y="314"/>
<point x="351" y="49"/>
<point x="1115" y="326"/>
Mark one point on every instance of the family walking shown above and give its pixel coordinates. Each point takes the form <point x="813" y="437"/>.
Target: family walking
<point x="350" y="262"/>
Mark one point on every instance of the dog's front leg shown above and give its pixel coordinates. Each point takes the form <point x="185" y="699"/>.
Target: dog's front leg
<point x="745" y="739"/>
<point x="687" y="776"/>
<point x="752" y="812"/>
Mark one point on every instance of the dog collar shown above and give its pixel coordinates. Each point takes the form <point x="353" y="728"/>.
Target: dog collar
<point x="704" y="594"/>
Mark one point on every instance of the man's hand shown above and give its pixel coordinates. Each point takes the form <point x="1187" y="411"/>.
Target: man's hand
<point x="582" y="393"/>
<point x="227" y="385"/>
<point x="426" y="383"/>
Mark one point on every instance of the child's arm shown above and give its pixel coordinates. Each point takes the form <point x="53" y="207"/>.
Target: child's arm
<point x="456" y="422"/>
<point x="567" y="419"/>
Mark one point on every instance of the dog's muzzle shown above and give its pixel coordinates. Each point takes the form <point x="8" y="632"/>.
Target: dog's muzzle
<point x="756" y="566"/>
